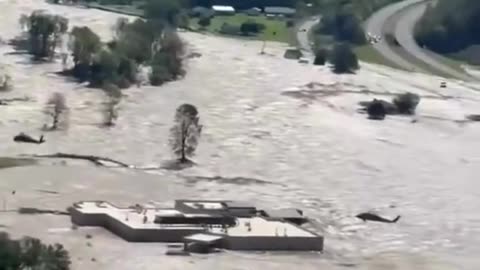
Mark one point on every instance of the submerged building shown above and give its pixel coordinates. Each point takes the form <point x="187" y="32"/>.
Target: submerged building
<point x="213" y="224"/>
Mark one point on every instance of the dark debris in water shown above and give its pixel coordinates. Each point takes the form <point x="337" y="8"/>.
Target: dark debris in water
<point x="347" y="264"/>
<point x="227" y="180"/>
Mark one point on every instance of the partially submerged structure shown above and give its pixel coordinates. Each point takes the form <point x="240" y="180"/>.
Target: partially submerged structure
<point x="203" y="225"/>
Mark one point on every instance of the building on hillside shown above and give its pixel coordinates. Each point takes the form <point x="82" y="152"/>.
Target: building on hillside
<point x="223" y="10"/>
<point x="280" y="11"/>
<point x="202" y="225"/>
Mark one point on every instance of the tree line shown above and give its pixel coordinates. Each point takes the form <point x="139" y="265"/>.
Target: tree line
<point x="31" y="253"/>
<point x="151" y="42"/>
<point x="449" y="26"/>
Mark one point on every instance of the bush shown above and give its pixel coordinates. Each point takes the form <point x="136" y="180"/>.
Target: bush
<point x="344" y="26"/>
<point x="251" y="27"/>
<point x="289" y="24"/>
<point x="229" y="29"/>
<point x="406" y="103"/>
<point x="320" y="57"/>
<point x="376" y="110"/>
<point x="343" y="59"/>
<point x="204" y="22"/>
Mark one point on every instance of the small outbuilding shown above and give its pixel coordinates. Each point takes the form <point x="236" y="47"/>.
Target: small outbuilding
<point x="223" y="10"/>
<point x="202" y="242"/>
<point x="280" y="11"/>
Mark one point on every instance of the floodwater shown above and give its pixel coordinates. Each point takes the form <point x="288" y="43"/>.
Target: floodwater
<point x="270" y="139"/>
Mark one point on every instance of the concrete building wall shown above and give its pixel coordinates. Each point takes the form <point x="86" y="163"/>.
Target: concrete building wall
<point x="274" y="243"/>
<point x="82" y="219"/>
<point x="129" y="234"/>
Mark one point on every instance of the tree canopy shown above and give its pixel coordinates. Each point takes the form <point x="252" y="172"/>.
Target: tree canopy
<point x="31" y="253"/>
<point x="450" y="26"/>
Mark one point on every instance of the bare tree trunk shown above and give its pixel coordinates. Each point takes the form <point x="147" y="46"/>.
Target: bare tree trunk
<point x="184" y="142"/>
<point x="55" y="121"/>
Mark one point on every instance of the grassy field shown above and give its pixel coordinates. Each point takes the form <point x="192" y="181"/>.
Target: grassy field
<point x="368" y="54"/>
<point x="275" y="30"/>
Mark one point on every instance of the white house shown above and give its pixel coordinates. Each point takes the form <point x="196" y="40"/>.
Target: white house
<point x="223" y="10"/>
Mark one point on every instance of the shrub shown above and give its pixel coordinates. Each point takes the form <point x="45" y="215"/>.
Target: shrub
<point x="251" y="27"/>
<point x="204" y="22"/>
<point x="406" y="103"/>
<point x="320" y="57"/>
<point x="289" y="24"/>
<point x="229" y="29"/>
<point x="376" y="110"/>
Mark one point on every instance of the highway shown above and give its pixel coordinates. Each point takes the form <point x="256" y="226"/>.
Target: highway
<point x="404" y="34"/>
<point x="376" y="26"/>
<point x="302" y="36"/>
<point x="404" y="15"/>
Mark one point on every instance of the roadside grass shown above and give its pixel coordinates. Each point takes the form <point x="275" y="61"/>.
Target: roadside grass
<point x="368" y="54"/>
<point x="6" y="162"/>
<point x="275" y="28"/>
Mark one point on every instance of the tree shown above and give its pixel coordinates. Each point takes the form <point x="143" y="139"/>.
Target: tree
<point x="185" y="133"/>
<point x="406" y="103"/>
<point x="56" y="108"/>
<point x="104" y="68"/>
<point x="376" y="110"/>
<point x="44" y="32"/>
<point x="320" y="57"/>
<point x="165" y="11"/>
<point x="251" y="27"/>
<point x="343" y="59"/>
<point x="85" y="45"/>
<point x="31" y="253"/>
<point x="204" y="22"/>
<point x="110" y="109"/>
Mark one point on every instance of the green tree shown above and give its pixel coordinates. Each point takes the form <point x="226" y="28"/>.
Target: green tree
<point x="86" y="45"/>
<point x="163" y="10"/>
<point x="104" y="68"/>
<point x="343" y="59"/>
<point x="185" y="133"/>
<point x="31" y="254"/>
<point x="320" y="57"/>
<point x="204" y="22"/>
<point x="406" y="103"/>
<point x="44" y="32"/>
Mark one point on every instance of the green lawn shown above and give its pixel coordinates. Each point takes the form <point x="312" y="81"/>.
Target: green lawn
<point x="275" y="29"/>
<point x="368" y="54"/>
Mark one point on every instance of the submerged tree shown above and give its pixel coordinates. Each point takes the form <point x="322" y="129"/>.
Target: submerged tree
<point x="343" y="58"/>
<point x="110" y="109"/>
<point x="44" y="31"/>
<point x="85" y="45"/>
<point x="185" y="133"/>
<point x="406" y="103"/>
<point x="56" y="108"/>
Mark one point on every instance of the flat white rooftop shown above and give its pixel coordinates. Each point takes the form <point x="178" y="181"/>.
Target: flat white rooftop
<point x="205" y="205"/>
<point x="132" y="217"/>
<point x="262" y="227"/>
<point x="143" y="218"/>
<point x="223" y="8"/>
